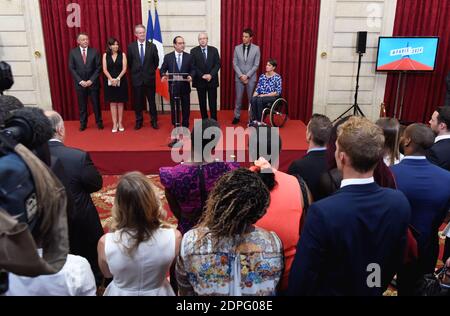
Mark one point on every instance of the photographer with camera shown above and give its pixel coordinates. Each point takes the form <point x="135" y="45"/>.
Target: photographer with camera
<point x="6" y="77"/>
<point x="33" y="219"/>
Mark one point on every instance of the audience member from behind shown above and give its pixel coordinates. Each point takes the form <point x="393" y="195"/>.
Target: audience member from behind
<point x="360" y="229"/>
<point x="391" y="131"/>
<point x="427" y="188"/>
<point x="74" y="279"/>
<point x="314" y="163"/>
<point x="226" y="254"/>
<point x="85" y="228"/>
<point x="330" y="181"/>
<point x="439" y="154"/>
<point x="187" y="185"/>
<point x="286" y="206"/>
<point x="141" y="247"/>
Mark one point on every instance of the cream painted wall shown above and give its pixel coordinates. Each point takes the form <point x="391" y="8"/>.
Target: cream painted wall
<point x="21" y="45"/>
<point x="337" y="60"/>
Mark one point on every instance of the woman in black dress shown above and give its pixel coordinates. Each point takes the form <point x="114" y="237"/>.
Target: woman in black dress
<point x="116" y="87"/>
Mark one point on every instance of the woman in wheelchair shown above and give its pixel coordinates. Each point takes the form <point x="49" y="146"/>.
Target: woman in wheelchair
<point x="266" y="92"/>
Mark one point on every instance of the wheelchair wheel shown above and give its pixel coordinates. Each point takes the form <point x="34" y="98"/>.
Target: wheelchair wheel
<point x="279" y="113"/>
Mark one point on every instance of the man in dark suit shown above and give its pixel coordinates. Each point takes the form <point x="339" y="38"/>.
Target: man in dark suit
<point x="85" y="65"/>
<point x="85" y="228"/>
<point x="439" y="154"/>
<point x="180" y="91"/>
<point x="206" y="63"/>
<point x="427" y="188"/>
<point x="143" y="60"/>
<point x="353" y="241"/>
<point x="311" y="167"/>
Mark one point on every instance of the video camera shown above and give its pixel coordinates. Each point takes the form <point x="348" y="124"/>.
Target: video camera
<point x="31" y="198"/>
<point x="6" y="77"/>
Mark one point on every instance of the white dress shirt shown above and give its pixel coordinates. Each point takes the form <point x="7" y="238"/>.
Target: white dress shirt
<point x="74" y="279"/>
<point x="81" y="50"/>
<point x="346" y="182"/>
<point x="442" y="137"/>
<point x="206" y="51"/>
<point x="143" y="46"/>
<point x="415" y="157"/>
<point x="84" y="49"/>
<point x="179" y="55"/>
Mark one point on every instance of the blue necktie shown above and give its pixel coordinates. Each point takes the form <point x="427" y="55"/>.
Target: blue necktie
<point x="179" y="61"/>
<point x="142" y="54"/>
<point x="204" y="53"/>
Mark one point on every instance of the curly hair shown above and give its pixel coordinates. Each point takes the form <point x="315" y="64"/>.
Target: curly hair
<point x="238" y="200"/>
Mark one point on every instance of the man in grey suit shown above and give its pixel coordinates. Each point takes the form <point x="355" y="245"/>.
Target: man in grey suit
<point x="245" y="64"/>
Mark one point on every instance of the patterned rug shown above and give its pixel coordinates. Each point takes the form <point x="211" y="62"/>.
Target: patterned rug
<point x="104" y="199"/>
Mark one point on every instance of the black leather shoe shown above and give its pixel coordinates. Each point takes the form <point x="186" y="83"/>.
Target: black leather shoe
<point x="155" y="125"/>
<point x="100" y="125"/>
<point x="82" y="128"/>
<point x="138" y="126"/>
<point x="235" y="121"/>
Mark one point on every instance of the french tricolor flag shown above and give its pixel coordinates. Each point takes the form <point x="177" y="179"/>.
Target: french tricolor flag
<point x="162" y="88"/>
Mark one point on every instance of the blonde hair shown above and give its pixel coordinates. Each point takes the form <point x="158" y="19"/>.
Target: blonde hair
<point x="362" y="141"/>
<point x="137" y="210"/>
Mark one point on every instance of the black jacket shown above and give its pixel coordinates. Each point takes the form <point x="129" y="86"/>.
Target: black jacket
<point x="84" y="179"/>
<point x="439" y="154"/>
<point x="143" y="74"/>
<point x="210" y="67"/>
<point x="170" y="65"/>
<point x="85" y="72"/>
<point x="310" y="168"/>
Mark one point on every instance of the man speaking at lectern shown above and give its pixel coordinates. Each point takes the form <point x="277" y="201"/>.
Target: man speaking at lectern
<point x="179" y="62"/>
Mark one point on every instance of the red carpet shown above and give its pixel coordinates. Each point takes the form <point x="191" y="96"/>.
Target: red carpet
<point x="146" y="150"/>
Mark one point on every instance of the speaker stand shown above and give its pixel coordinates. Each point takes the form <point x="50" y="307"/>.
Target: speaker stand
<point x="355" y="107"/>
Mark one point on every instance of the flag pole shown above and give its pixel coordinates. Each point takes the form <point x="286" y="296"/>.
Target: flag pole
<point x="160" y="96"/>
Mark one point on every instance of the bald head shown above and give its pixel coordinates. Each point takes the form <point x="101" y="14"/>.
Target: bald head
<point x="203" y="39"/>
<point x="57" y="124"/>
<point x="417" y="139"/>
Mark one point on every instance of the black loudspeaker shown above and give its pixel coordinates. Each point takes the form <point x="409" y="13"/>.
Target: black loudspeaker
<point x="361" y="42"/>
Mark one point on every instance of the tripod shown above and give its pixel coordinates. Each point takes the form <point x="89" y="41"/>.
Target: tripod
<point x="355" y="107"/>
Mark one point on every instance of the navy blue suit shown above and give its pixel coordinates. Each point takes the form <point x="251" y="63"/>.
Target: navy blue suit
<point x="181" y="90"/>
<point x="427" y="188"/>
<point x="344" y="234"/>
